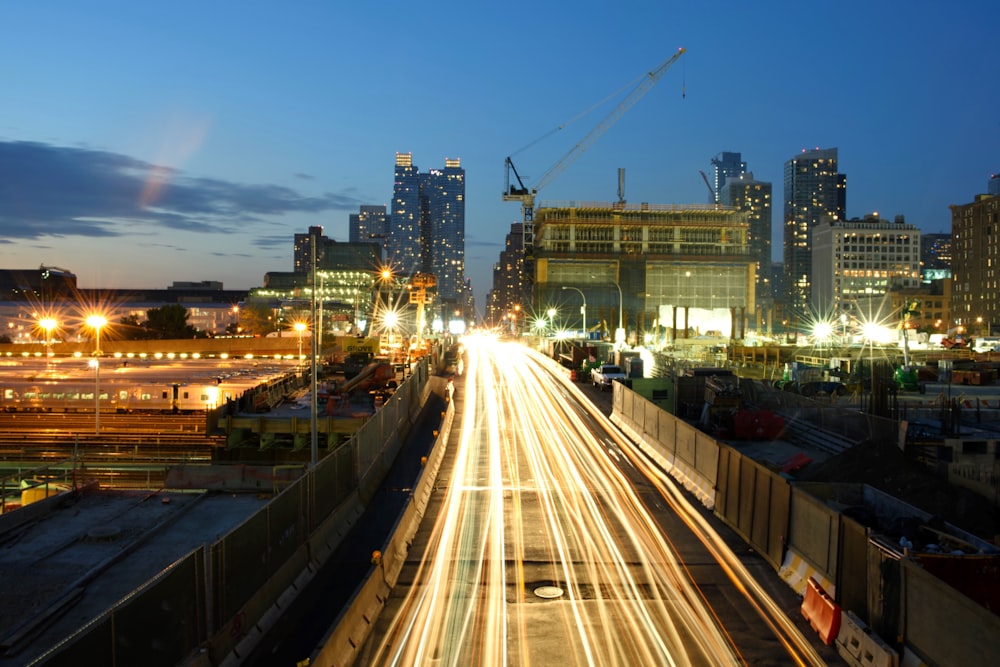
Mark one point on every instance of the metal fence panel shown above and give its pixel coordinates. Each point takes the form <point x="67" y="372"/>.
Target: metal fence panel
<point x="165" y="623"/>
<point x="285" y="526"/>
<point x="94" y="646"/>
<point x="239" y="565"/>
<point x="161" y="625"/>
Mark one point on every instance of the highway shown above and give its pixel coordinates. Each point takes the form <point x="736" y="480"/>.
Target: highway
<point x="556" y="542"/>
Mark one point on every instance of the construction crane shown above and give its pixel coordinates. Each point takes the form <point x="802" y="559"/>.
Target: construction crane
<point x="711" y="191"/>
<point x="522" y="193"/>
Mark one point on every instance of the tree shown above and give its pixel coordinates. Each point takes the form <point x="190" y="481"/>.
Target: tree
<point x="255" y="318"/>
<point x="130" y="328"/>
<point x="170" y="321"/>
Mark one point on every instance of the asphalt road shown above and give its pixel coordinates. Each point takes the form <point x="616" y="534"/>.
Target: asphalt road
<point x="550" y="540"/>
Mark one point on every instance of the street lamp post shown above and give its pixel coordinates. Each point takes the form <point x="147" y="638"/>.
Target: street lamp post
<point x="300" y="327"/>
<point x="583" y="308"/>
<point x="96" y="322"/>
<point x="620" y="333"/>
<point x="48" y="324"/>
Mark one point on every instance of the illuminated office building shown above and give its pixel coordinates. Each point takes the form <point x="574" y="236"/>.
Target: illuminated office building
<point x="370" y="225"/>
<point x="814" y="192"/>
<point x="975" y="264"/>
<point x="856" y="263"/>
<point x="754" y="198"/>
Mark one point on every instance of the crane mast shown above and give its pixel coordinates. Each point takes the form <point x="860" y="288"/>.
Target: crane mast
<point x="526" y="195"/>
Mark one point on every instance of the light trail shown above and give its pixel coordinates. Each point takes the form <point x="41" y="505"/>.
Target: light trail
<point x="537" y="499"/>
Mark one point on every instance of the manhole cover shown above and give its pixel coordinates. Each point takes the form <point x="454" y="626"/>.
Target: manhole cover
<point x="549" y="592"/>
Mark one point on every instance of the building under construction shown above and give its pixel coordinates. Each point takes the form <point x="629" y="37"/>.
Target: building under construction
<point x="657" y="270"/>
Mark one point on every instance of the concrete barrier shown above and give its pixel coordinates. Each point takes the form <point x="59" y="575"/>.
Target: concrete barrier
<point x="349" y="632"/>
<point x="860" y="648"/>
<point x="822" y="612"/>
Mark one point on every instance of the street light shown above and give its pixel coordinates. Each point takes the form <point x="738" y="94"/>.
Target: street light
<point x="300" y="327"/>
<point x="583" y="308"/>
<point x="96" y="322"/>
<point x="48" y="324"/>
<point x="620" y="333"/>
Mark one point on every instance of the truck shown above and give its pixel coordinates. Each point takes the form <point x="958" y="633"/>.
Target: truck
<point x="605" y="374"/>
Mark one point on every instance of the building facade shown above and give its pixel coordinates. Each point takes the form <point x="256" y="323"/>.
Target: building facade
<point x="754" y="198"/>
<point x="975" y="264"/>
<point x="508" y="278"/>
<point x="858" y="262"/>
<point x="442" y="194"/>
<point x="652" y="270"/>
<point x="725" y="166"/>
<point x="404" y="218"/>
<point x="370" y="225"/>
<point x="304" y="245"/>
<point x="814" y="192"/>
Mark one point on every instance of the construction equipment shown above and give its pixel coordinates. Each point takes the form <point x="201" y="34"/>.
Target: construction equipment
<point x="526" y="195"/>
<point x="711" y="191"/>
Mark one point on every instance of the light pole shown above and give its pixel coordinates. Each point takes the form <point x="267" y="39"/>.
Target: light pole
<point x="48" y="324"/>
<point x="300" y="327"/>
<point x="583" y="308"/>
<point x="96" y="322"/>
<point x="620" y="333"/>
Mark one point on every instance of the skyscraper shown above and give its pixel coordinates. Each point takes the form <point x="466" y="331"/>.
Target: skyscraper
<point x="442" y="195"/>
<point x="754" y="198"/>
<point x="724" y="167"/>
<point x="404" y="220"/>
<point x="426" y="230"/>
<point x="814" y="192"/>
<point x="370" y="225"/>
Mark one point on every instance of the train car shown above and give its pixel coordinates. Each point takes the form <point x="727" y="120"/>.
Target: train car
<point x="54" y="397"/>
<point x="116" y="397"/>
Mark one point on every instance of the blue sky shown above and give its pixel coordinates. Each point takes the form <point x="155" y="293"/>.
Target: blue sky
<point x="143" y="143"/>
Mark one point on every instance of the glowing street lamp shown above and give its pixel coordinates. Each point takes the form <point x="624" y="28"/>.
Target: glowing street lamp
<point x="96" y="322"/>
<point x="48" y="324"/>
<point x="300" y="327"/>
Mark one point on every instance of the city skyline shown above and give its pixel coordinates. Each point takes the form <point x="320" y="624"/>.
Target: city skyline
<point x="141" y="146"/>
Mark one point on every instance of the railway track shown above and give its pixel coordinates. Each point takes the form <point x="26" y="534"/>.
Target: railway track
<point x="130" y="451"/>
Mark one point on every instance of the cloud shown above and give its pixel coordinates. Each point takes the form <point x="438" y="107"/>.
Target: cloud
<point x="57" y="191"/>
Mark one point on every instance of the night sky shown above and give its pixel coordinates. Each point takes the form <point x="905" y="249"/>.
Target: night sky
<point x="143" y="143"/>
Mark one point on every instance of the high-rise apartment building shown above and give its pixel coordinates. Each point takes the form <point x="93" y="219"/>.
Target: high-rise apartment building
<point x="370" y="225"/>
<point x="303" y="249"/>
<point x="426" y="230"/>
<point x="856" y="263"/>
<point x="754" y="198"/>
<point x="442" y="196"/>
<point x="404" y="219"/>
<point x="508" y="277"/>
<point x="975" y="264"/>
<point x="724" y="167"/>
<point x="814" y="192"/>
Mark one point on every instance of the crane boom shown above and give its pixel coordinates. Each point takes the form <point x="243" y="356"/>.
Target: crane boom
<point x="526" y="195"/>
<point x="630" y="100"/>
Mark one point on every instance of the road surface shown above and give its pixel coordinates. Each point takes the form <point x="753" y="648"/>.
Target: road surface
<point x="555" y="542"/>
